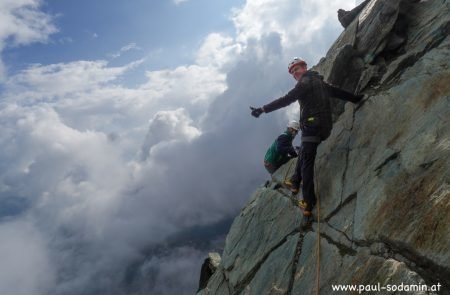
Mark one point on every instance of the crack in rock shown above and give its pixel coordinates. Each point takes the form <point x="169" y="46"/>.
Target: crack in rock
<point x="298" y="251"/>
<point x="430" y="271"/>
<point x="251" y="274"/>
<point x="392" y="157"/>
<point x="348" y="200"/>
<point x="343" y="249"/>
<point x="341" y="232"/>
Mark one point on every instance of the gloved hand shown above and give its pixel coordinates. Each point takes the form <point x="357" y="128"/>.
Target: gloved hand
<point x="256" y="112"/>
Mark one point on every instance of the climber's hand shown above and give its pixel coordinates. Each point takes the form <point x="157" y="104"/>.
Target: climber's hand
<point x="256" y="112"/>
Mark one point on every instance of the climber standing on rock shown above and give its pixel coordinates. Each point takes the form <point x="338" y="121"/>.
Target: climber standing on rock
<point x="313" y="95"/>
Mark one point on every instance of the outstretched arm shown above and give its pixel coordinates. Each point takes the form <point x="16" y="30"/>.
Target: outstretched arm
<point x="294" y="94"/>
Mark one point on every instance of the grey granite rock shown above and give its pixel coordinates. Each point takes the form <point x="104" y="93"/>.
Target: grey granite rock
<point x="382" y="177"/>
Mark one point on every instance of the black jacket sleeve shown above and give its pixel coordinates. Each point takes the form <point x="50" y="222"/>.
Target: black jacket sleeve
<point x="284" y="145"/>
<point x="342" y="94"/>
<point x="293" y="95"/>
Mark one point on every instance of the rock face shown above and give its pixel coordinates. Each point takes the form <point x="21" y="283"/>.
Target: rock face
<point x="382" y="177"/>
<point x="347" y="17"/>
<point x="209" y="266"/>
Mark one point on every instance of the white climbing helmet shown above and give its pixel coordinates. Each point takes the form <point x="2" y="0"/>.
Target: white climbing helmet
<point x="295" y="61"/>
<point x="294" y="125"/>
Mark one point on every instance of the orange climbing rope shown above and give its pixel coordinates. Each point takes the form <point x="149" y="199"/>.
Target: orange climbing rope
<point x="318" y="235"/>
<point x="318" y="248"/>
<point x="318" y="240"/>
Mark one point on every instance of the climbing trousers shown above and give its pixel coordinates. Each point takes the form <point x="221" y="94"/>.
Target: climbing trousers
<point x="304" y="171"/>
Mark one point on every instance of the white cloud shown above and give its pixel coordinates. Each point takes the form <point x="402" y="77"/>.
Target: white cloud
<point x="168" y="127"/>
<point x="179" y="264"/>
<point x="191" y="83"/>
<point x="297" y="22"/>
<point x="56" y="166"/>
<point x="87" y="96"/>
<point x="48" y="82"/>
<point x="218" y="51"/>
<point x="128" y="47"/>
<point x="26" y="266"/>
<point x="21" y="23"/>
<point x="73" y="182"/>
<point x="58" y="82"/>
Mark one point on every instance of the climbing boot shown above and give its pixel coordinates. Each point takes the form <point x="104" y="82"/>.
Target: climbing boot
<point x="307" y="219"/>
<point x="307" y="213"/>
<point x="293" y="187"/>
<point x="302" y="204"/>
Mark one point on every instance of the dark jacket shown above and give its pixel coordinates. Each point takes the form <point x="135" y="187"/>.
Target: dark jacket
<point x="313" y="95"/>
<point x="281" y="150"/>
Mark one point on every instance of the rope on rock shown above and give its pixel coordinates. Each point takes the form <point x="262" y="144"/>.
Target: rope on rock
<point x="318" y="247"/>
<point x="318" y="233"/>
<point x="318" y="237"/>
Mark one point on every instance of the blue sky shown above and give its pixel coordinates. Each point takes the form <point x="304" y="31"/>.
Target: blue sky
<point x="91" y="30"/>
<point x="125" y="125"/>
